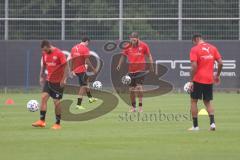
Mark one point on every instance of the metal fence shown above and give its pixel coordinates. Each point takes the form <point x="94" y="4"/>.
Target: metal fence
<point x="115" y="19"/>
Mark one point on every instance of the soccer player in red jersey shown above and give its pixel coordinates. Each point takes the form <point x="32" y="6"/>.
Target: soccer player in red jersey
<point x="53" y="63"/>
<point x="80" y="59"/>
<point x="203" y="56"/>
<point x="136" y="51"/>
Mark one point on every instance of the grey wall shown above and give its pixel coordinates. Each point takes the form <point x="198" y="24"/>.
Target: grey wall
<point x="16" y="71"/>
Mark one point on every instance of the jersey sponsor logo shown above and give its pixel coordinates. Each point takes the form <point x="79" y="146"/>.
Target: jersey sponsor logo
<point x="55" y="57"/>
<point x="229" y="67"/>
<point x="76" y="53"/>
<point x="207" y="57"/>
<point x="138" y="53"/>
<point x="51" y="64"/>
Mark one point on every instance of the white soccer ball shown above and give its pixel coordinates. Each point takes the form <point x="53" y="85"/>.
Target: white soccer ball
<point x="33" y="105"/>
<point x="97" y="85"/>
<point x="187" y="87"/>
<point x="126" y="79"/>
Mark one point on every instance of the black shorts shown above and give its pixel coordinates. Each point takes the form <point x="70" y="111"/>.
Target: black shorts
<point x="136" y="78"/>
<point x="82" y="78"/>
<point x="202" y="91"/>
<point x="53" y="89"/>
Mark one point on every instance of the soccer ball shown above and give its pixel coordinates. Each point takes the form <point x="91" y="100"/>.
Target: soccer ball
<point x="97" y="85"/>
<point x="187" y="87"/>
<point x="33" y="105"/>
<point x="126" y="79"/>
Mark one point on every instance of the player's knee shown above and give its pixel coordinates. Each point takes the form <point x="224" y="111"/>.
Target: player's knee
<point x="131" y="89"/>
<point x="57" y="103"/>
<point x="138" y="85"/>
<point x="194" y="101"/>
<point x="44" y="97"/>
<point x="83" y="87"/>
<point x="207" y="103"/>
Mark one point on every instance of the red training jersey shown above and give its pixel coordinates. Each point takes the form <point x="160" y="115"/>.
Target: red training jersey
<point x="136" y="56"/>
<point x="205" y="55"/>
<point x="79" y="53"/>
<point x="55" y="63"/>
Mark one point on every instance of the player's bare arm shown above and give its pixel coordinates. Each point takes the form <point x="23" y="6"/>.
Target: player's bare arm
<point x="150" y="59"/>
<point x="219" y="70"/>
<point x="88" y="62"/>
<point x="70" y="66"/>
<point x="42" y="74"/>
<point x="65" y="75"/>
<point x="121" y="60"/>
<point x="193" y="72"/>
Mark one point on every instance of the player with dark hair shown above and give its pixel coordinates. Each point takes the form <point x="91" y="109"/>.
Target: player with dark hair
<point x="203" y="56"/>
<point x="52" y="78"/>
<point x="136" y="51"/>
<point x="80" y="61"/>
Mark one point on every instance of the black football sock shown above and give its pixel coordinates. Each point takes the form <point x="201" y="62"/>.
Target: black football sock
<point x="79" y="102"/>
<point x="195" y="122"/>
<point x="58" y="119"/>
<point x="134" y="104"/>
<point x="211" y="117"/>
<point x="42" y="115"/>
<point x="89" y="94"/>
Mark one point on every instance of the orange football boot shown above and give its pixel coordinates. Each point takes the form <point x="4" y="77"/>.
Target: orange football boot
<point x="39" y="123"/>
<point x="56" y="126"/>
